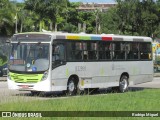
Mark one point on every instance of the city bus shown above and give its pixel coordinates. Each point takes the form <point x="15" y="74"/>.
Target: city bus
<point x="50" y="61"/>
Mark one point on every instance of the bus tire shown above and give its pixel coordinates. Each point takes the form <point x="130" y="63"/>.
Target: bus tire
<point x="123" y="84"/>
<point x="72" y="86"/>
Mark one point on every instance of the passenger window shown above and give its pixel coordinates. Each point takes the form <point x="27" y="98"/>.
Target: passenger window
<point x="85" y="51"/>
<point x="105" y="51"/>
<point x="118" y="51"/>
<point x="145" y="51"/>
<point x="74" y="51"/>
<point x="77" y="51"/>
<point x="132" y="51"/>
<point x="92" y="51"/>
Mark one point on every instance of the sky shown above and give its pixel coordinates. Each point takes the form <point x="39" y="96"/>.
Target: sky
<point x="85" y="1"/>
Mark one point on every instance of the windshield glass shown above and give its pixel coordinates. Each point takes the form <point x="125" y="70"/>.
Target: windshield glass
<point x="29" y="57"/>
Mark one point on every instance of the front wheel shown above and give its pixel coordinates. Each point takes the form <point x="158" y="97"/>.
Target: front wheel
<point x="123" y="84"/>
<point x="72" y="86"/>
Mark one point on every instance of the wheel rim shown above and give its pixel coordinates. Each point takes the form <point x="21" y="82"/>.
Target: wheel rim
<point x="123" y="84"/>
<point x="71" y="86"/>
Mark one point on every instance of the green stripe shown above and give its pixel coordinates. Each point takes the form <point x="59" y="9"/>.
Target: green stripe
<point x="85" y="38"/>
<point x="26" y="78"/>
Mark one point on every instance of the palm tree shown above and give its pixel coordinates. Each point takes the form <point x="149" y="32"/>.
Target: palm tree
<point x="6" y="18"/>
<point x="54" y="10"/>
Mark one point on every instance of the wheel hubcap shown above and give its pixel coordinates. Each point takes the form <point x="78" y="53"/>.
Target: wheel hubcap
<point x="123" y="84"/>
<point x="71" y="86"/>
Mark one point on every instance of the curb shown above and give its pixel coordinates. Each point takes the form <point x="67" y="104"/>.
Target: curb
<point x="3" y="79"/>
<point x="156" y="74"/>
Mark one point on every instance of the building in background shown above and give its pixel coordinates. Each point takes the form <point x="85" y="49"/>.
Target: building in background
<point x="103" y="7"/>
<point x="96" y="8"/>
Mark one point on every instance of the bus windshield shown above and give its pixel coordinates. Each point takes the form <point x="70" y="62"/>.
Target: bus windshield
<point x="29" y="57"/>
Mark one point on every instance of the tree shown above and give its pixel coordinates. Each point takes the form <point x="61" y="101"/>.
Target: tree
<point x="132" y="18"/>
<point x="71" y="19"/>
<point x="6" y="18"/>
<point x="87" y="18"/>
<point x="54" y="10"/>
<point x="110" y="21"/>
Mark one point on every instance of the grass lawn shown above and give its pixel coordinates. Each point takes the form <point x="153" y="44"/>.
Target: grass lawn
<point x="144" y="100"/>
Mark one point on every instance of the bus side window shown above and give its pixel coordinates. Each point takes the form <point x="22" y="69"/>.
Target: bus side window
<point x="58" y="52"/>
<point x="78" y="51"/>
<point x="145" y="50"/>
<point x="119" y="51"/>
<point x="105" y="50"/>
<point x="61" y="52"/>
<point x="132" y="51"/>
<point x="92" y="51"/>
<point x="74" y="51"/>
<point x="85" y="51"/>
<point x="85" y="55"/>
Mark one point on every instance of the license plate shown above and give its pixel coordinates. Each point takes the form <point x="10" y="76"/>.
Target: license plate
<point x="24" y="86"/>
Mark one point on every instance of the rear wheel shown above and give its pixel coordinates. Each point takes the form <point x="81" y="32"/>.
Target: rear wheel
<point x="123" y="84"/>
<point x="72" y="86"/>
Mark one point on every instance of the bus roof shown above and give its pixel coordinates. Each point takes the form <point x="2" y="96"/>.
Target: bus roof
<point x="84" y="36"/>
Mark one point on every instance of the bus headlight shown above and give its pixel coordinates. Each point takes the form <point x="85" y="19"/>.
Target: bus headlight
<point x="45" y="75"/>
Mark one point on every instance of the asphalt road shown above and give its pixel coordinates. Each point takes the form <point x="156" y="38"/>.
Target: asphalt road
<point x="154" y="84"/>
<point x="7" y="95"/>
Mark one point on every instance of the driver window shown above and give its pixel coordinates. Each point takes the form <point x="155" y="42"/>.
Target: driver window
<point x="58" y="52"/>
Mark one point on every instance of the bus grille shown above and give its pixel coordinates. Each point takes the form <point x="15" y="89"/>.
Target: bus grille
<point x="26" y="78"/>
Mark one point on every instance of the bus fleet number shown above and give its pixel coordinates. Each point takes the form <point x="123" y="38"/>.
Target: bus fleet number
<point x="80" y="68"/>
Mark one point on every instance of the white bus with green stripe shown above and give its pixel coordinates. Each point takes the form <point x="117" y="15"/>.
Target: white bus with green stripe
<point x="46" y="61"/>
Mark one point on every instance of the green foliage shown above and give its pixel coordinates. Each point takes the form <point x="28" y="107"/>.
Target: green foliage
<point x="109" y="22"/>
<point x="6" y="17"/>
<point x="3" y="60"/>
<point x="130" y="17"/>
<point x="53" y="10"/>
<point x="68" y="27"/>
<point x="87" y="18"/>
<point x="3" y="54"/>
